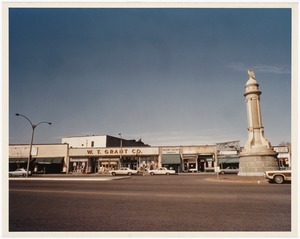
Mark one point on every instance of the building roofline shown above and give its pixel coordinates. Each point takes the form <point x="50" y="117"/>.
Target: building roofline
<point x="39" y="144"/>
<point x="81" y="136"/>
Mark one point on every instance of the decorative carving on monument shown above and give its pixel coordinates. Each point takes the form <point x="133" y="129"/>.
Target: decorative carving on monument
<point x="251" y="74"/>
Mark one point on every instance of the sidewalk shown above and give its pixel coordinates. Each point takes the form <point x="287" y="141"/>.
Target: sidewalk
<point x="230" y="178"/>
<point x="105" y="177"/>
<point x="240" y="179"/>
<point x="70" y="177"/>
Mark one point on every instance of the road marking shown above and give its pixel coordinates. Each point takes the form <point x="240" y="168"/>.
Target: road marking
<point x="69" y="179"/>
<point x="117" y="193"/>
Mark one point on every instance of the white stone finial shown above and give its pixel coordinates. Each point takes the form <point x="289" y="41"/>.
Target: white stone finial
<point x="251" y="74"/>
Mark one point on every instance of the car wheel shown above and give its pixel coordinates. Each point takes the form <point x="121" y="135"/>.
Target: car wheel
<point x="24" y="174"/>
<point x="10" y="175"/>
<point x="222" y="172"/>
<point x="129" y="174"/>
<point x="168" y="173"/>
<point x="113" y="174"/>
<point x="278" y="179"/>
<point x="151" y="173"/>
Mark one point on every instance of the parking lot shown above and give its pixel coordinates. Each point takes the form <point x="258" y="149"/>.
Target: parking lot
<point x="194" y="203"/>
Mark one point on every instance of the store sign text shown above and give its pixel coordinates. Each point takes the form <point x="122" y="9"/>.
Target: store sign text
<point x="23" y="151"/>
<point x="170" y="151"/>
<point x="113" y="151"/>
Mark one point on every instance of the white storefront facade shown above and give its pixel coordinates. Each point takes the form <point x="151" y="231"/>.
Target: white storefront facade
<point x="61" y="158"/>
<point x="181" y="159"/>
<point x="45" y="158"/>
<point x="100" y="160"/>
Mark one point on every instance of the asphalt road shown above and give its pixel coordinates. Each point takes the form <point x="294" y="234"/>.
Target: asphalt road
<point x="149" y="203"/>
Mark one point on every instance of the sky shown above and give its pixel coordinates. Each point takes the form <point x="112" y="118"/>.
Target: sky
<point x="168" y="76"/>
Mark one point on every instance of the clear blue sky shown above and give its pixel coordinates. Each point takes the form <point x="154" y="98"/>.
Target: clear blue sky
<point x="170" y="76"/>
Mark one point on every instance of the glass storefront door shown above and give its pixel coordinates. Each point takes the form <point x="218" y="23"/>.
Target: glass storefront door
<point x="78" y="165"/>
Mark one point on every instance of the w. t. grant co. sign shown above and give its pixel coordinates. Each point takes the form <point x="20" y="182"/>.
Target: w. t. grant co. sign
<point x="113" y="151"/>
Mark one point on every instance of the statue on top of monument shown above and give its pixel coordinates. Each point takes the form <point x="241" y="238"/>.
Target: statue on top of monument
<point x="251" y="74"/>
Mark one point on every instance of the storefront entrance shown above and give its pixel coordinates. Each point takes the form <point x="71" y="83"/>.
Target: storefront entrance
<point x="15" y="163"/>
<point x="205" y="163"/>
<point x="130" y="162"/>
<point x="107" y="164"/>
<point x="147" y="163"/>
<point x="201" y="164"/>
<point x="78" y="165"/>
<point x="47" y="165"/>
<point x="171" y="161"/>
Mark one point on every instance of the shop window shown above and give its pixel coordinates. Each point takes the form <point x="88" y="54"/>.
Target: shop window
<point x="209" y="164"/>
<point x="192" y="165"/>
<point x="92" y="144"/>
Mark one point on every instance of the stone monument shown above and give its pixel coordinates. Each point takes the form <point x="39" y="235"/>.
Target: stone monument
<point x="257" y="155"/>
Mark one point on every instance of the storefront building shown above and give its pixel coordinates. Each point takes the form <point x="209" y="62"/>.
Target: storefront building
<point x="228" y="154"/>
<point x="101" y="160"/>
<point x="199" y="158"/>
<point x="180" y="159"/>
<point x="50" y="158"/>
<point x="283" y="155"/>
<point x="60" y="158"/>
<point x="64" y="158"/>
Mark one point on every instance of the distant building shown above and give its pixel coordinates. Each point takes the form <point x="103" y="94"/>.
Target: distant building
<point x="45" y="158"/>
<point x="96" y="153"/>
<point x="99" y="154"/>
<point x="100" y="141"/>
<point x="283" y="156"/>
<point x="228" y="154"/>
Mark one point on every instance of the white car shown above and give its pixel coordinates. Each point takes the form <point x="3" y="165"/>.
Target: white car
<point x="19" y="172"/>
<point x="229" y="169"/>
<point x="279" y="176"/>
<point x="123" y="171"/>
<point x="162" y="171"/>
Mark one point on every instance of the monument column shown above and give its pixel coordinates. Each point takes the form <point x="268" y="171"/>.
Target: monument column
<point x="257" y="155"/>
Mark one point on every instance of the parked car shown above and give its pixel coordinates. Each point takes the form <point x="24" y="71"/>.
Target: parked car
<point x="162" y="171"/>
<point x="19" y="172"/>
<point x="278" y="176"/>
<point x="123" y="171"/>
<point x="229" y="169"/>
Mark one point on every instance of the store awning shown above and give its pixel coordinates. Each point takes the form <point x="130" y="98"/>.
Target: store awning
<point x="229" y="160"/>
<point x="171" y="159"/>
<point x="190" y="156"/>
<point x="78" y="159"/>
<point x="108" y="163"/>
<point x="18" y="160"/>
<point x="109" y="159"/>
<point x="48" y="160"/>
<point x="57" y="160"/>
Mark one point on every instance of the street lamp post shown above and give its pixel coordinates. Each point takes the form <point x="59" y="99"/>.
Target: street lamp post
<point x="33" y="126"/>
<point x="121" y="145"/>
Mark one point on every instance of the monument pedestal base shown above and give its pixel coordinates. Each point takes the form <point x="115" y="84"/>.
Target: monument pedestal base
<point x="257" y="164"/>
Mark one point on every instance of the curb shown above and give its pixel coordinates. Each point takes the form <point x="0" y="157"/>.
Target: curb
<point x="238" y="181"/>
<point x="69" y="179"/>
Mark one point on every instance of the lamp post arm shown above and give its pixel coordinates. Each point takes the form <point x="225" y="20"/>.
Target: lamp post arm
<point x="32" y="125"/>
<point x="44" y="122"/>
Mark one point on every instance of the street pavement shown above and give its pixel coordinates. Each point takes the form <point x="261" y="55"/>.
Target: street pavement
<point x="176" y="203"/>
<point x="105" y="177"/>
